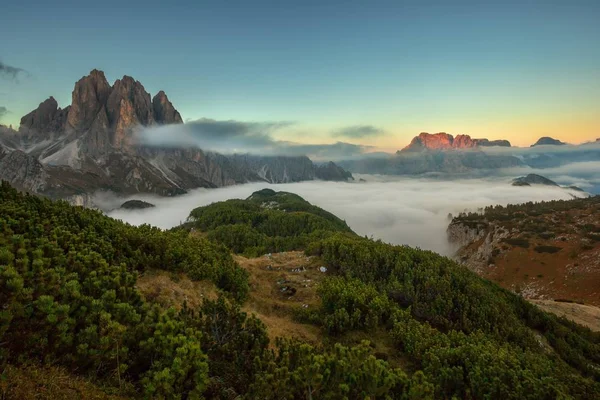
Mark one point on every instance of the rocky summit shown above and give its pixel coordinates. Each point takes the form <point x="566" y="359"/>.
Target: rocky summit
<point x="548" y="141"/>
<point x="445" y="141"/>
<point x="91" y="145"/>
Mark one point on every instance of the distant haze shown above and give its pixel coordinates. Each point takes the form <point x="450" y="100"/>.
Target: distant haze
<point x="399" y="211"/>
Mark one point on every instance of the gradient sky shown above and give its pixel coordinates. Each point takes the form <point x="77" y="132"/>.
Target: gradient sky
<point x="514" y="70"/>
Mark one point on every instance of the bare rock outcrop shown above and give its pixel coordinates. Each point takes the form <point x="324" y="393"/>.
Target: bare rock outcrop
<point x="90" y="145"/>
<point x="164" y="112"/>
<point x="89" y="97"/>
<point x="45" y="122"/>
<point x="445" y="141"/>
<point x="128" y="106"/>
<point x="475" y="244"/>
<point x="22" y="170"/>
<point x="332" y="172"/>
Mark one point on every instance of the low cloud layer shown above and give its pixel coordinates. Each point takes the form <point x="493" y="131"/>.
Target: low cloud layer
<point x="3" y="112"/>
<point x="10" y="72"/>
<point x="229" y="137"/>
<point x="582" y="174"/>
<point x="358" y="132"/>
<point x="545" y="149"/>
<point x="399" y="211"/>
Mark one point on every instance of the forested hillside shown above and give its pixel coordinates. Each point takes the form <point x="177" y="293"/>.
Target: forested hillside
<point x="266" y="222"/>
<point x="68" y="300"/>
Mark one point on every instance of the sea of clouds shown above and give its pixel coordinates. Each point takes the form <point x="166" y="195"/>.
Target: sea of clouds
<point x="396" y="210"/>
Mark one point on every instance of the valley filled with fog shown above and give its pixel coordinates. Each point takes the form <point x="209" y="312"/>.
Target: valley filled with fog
<point x="396" y="210"/>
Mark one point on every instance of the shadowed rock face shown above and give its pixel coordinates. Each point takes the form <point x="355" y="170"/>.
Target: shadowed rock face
<point x="41" y="118"/>
<point x="533" y="179"/>
<point x="164" y="112"/>
<point x="44" y="121"/>
<point x="548" y="141"/>
<point x="22" y="170"/>
<point x="332" y="172"/>
<point x="89" y="97"/>
<point x="90" y="145"/>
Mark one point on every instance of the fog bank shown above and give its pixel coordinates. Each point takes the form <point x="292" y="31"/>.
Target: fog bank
<point x="397" y="210"/>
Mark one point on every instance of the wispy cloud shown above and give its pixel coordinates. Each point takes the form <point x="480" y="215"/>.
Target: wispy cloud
<point x="10" y="72"/>
<point x="358" y="132"/>
<point x="231" y="136"/>
<point x="3" y="112"/>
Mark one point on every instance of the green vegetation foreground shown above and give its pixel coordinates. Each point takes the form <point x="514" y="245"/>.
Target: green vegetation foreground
<point x="68" y="298"/>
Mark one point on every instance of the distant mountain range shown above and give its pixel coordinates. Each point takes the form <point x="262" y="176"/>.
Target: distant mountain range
<point x="444" y="153"/>
<point x="91" y="144"/>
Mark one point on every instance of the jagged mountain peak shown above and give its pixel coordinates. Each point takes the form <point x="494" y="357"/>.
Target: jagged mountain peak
<point x="89" y="95"/>
<point x="128" y="106"/>
<point x="42" y="115"/>
<point x="164" y="112"/>
<point x="44" y="122"/>
<point x="91" y="145"/>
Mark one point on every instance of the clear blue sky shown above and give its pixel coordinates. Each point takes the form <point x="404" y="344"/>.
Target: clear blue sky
<point x="502" y="69"/>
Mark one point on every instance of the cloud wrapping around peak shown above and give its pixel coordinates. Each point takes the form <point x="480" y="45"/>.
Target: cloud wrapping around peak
<point x="358" y="132"/>
<point x="240" y="137"/>
<point x="10" y="72"/>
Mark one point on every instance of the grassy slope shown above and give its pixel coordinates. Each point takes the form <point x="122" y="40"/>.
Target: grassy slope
<point x="421" y="310"/>
<point x="552" y="249"/>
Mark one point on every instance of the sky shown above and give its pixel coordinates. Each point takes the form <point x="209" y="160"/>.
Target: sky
<point x="366" y="72"/>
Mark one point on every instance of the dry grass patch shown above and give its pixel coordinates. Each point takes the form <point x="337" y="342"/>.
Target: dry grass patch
<point x="34" y="382"/>
<point x="582" y="314"/>
<point x="280" y="285"/>
<point x="172" y="290"/>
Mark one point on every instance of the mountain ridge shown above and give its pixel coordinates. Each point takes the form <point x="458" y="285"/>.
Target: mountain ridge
<point x="91" y="145"/>
<point x="446" y="141"/>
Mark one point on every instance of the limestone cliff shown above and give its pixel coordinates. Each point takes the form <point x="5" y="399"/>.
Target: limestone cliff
<point x="445" y="141"/>
<point x="91" y="144"/>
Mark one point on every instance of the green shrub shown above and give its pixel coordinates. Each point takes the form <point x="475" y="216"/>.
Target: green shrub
<point x="547" y="249"/>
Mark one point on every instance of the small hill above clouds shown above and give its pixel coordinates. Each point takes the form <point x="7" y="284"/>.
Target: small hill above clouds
<point x="266" y="222"/>
<point x="92" y="144"/>
<point x="136" y="205"/>
<point x="548" y="141"/>
<point x="533" y="179"/>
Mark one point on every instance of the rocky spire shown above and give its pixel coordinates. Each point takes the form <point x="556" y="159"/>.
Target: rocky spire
<point x="44" y="121"/>
<point x="105" y="115"/>
<point x="164" y="112"/>
<point x="128" y="105"/>
<point x="41" y="117"/>
<point x="90" y="94"/>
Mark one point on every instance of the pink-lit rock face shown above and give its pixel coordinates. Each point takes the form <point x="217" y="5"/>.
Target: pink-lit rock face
<point x="445" y="141"/>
